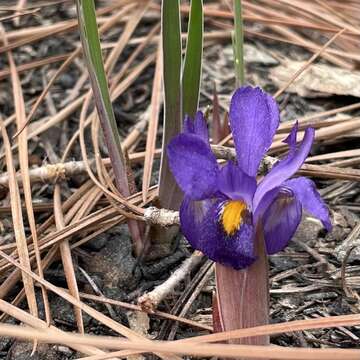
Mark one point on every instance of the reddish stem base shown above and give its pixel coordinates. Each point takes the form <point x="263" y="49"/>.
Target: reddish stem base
<point x="243" y="296"/>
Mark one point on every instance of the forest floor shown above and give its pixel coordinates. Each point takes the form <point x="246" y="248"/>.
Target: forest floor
<point x="318" y="275"/>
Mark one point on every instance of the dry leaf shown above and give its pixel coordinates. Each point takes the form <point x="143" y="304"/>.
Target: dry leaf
<point x="317" y="80"/>
<point x="252" y="54"/>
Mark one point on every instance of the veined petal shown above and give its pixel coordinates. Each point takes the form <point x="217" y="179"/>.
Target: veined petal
<point x="287" y="167"/>
<point x="192" y="218"/>
<point x="193" y="165"/>
<point x="196" y="126"/>
<point x="305" y="191"/>
<point x="235" y="184"/>
<point x="265" y="202"/>
<point x="254" y="118"/>
<point x="201" y="225"/>
<point x="280" y="221"/>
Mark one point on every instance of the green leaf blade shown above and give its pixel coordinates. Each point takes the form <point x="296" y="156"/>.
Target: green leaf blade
<point x="239" y="44"/>
<point x="193" y="59"/>
<point x="92" y="53"/>
<point x="93" y="56"/>
<point x="169" y="193"/>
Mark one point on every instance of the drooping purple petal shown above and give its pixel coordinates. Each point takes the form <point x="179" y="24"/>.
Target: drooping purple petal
<point x="235" y="184"/>
<point x="287" y="167"/>
<point x="193" y="165"/>
<point x="192" y="217"/>
<point x="254" y="118"/>
<point x="201" y="227"/>
<point x="305" y="191"/>
<point x="196" y="126"/>
<point x="280" y="221"/>
<point x="265" y="202"/>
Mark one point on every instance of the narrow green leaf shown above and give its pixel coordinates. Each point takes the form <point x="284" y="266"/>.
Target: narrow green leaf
<point x="193" y="59"/>
<point x="92" y="52"/>
<point x="238" y="44"/>
<point x="169" y="193"/>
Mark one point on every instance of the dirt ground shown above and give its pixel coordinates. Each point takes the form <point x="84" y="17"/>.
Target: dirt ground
<point x="306" y="280"/>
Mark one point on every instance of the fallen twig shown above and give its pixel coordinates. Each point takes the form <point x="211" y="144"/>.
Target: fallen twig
<point x="162" y="217"/>
<point x="53" y="172"/>
<point x="151" y="300"/>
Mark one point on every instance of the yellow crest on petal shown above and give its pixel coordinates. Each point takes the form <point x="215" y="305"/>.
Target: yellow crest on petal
<point x="232" y="216"/>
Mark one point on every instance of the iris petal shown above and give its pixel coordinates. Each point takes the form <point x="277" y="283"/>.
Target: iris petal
<point x="193" y="165"/>
<point x="291" y="139"/>
<point x="305" y="191"/>
<point x="235" y="184"/>
<point x="265" y="202"/>
<point x="201" y="226"/>
<point x="192" y="217"/>
<point x="254" y="118"/>
<point x="287" y="167"/>
<point x="280" y="221"/>
<point x="196" y="126"/>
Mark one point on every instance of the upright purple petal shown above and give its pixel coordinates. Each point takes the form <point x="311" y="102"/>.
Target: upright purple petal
<point x="280" y="221"/>
<point x="193" y="165"/>
<point x="287" y="167"/>
<point x="196" y="126"/>
<point x="200" y="225"/>
<point x="235" y="184"/>
<point x="291" y="139"/>
<point x="305" y="191"/>
<point x="254" y="118"/>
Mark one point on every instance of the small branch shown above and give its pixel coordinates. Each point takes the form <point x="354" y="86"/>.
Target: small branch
<point x="223" y="152"/>
<point x="151" y="300"/>
<point x="162" y="217"/>
<point x="61" y="171"/>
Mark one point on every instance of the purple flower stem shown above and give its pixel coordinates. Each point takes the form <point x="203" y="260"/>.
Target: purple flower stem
<point x="243" y="295"/>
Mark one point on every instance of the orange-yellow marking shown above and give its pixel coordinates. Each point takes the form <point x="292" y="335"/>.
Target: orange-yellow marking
<point x="232" y="216"/>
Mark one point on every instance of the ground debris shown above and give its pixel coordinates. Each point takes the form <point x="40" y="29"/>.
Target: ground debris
<point x="318" y="80"/>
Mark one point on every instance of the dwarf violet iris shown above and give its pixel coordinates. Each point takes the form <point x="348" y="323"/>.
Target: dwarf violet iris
<point x="223" y="205"/>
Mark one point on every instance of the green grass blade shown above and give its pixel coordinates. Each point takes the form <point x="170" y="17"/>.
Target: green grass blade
<point x="193" y="58"/>
<point x="92" y="53"/>
<point x="238" y="41"/>
<point x="169" y="194"/>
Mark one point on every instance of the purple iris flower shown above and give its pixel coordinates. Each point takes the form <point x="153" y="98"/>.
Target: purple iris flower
<point x="222" y="206"/>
